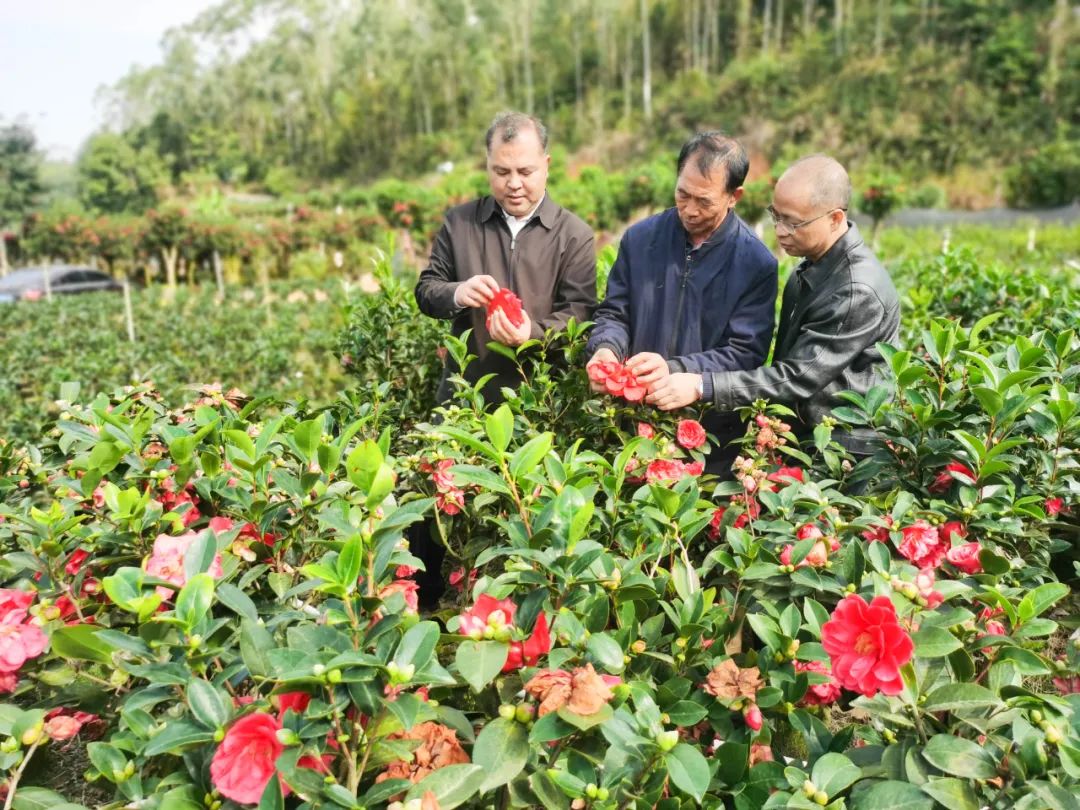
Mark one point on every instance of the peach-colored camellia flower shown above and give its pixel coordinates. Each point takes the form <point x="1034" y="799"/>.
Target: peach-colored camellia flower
<point x="729" y="681"/>
<point x="438" y="748"/>
<point x="167" y="561"/>
<point x="62" y="727"/>
<point x="582" y="691"/>
<point x="760" y="752"/>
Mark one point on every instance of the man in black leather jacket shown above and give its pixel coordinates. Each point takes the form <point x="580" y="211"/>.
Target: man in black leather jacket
<point x="837" y="306"/>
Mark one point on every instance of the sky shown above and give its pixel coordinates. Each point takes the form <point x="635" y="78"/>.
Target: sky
<point x="55" y="54"/>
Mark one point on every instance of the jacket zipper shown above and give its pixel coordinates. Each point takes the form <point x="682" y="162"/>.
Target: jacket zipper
<point x="683" y="282"/>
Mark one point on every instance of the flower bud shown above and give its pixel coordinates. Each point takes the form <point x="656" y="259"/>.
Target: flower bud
<point x="219" y="735"/>
<point x="286" y="736"/>
<point x="9" y="745"/>
<point x="334" y="676"/>
<point x="524" y="713"/>
<point x="602" y="794"/>
<point x="591" y="790"/>
<point x="32" y="734"/>
<point x="821" y="797"/>
<point x="318" y="670"/>
<point x="1054" y="735"/>
<point x="666" y="740"/>
<point x="506" y="711"/>
<point x="752" y="716"/>
<point x="638" y="646"/>
<point x="809" y="788"/>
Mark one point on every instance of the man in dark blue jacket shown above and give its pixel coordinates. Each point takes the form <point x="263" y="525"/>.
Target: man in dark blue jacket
<point x="693" y="289"/>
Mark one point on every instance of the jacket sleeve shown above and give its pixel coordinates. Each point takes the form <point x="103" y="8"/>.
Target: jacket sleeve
<point x="612" y="329"/>
<point x="835" y="332"/>
<point x="745" y="343"/>
<point x="575" y="296"/>
<point x="438" y="281"/>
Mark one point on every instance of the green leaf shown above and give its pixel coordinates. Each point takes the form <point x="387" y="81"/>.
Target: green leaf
<point x="255" y="645"/>
<point x="237" y="601"/>
<point x="1041" y="599"/>
<point x="955" y="794"/>
<point x="935" y="642"/>
<point x="176" y="735"/>
<point x="194" y="600"/>
<point x="499" y="427"/>
<point x="686" y="713"/>
<point x="891" y="795"/>
<point x="586" y="721"/>
<point x="501" y="749"/>
<point x="959" y="697"/>
<point x="480" y="661"/>
<point x="417" y="645"/>
<point x="363" y="463"/>
<point x="606" y="651"/>
<point x="529" y="455"/>
<point x="548" y="728"/>
<point x="452" y="785"/>
<point x="271" y="797"/>
<point x="835" y="773"/>
<point x="349" y="561"/>
<point x="959" y="757"/>
<point x="37" y="798"/>
<point x="307" y="436"/>
<point x="689" y="770"/>
<point x="208" y="705"/>
<point x="240" y="439"/>
<point x="80" y="641"/>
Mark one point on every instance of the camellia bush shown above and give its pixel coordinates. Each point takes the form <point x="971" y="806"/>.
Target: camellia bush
<point x="214" y="604"/>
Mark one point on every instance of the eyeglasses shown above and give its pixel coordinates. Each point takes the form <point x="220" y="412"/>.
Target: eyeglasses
<point x="783" y="226"/>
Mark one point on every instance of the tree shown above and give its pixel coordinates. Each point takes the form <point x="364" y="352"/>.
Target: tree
<point x="115" y="178"/>
<point x="20" y="181"/>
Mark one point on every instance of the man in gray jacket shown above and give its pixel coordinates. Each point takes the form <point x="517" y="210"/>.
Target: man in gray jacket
<point x="838" y="304"/>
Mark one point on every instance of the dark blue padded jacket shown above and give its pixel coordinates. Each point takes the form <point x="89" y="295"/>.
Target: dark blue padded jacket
<point x="704" y="309"/>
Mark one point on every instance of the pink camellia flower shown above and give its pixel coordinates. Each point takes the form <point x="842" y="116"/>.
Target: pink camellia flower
<point x="808" y="530"/>
<point x="75" y="561"/>
<point x="954" y="470"/>
<point x="1054" y="506"/>
<point x="924" y="584"/>
<point x="922" y="545"/>
<point x="690" y="434"/>
<point x="296" y="701"/>
<point x="458" y="580"/>
<point x="14" y="601"/>
<point x="867" y="645"/>
<point x="818" y="556"/>
<point x="19" y="642"/>
<point x="243" y="764"/>
<point x="404" y="571"/>
<point x="1068" y="685"/>
<point x="663" y="469"/>
<point x="62" y="727"/>
<point x="966" y="558"/>
<point x="818" y="694"/>
<point x="645" y="430"/>
<point x="166" y="561"/>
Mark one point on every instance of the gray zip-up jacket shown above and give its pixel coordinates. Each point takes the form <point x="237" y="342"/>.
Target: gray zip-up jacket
<point x="550" y="265"/>
<point x="834" y="312"/>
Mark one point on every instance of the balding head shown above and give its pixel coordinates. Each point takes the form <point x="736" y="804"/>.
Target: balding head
<point x="820" y="181"/>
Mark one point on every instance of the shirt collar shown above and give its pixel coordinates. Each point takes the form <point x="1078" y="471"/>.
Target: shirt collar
<point x="812" y="273"/>
<point x="726" y="228"/>
<point x="545" y="210"/>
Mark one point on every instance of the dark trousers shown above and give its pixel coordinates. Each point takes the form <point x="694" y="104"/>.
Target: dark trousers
<point x="424" y="543"/>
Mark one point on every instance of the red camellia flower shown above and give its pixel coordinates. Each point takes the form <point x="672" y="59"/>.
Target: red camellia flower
<point x="243" y="764"/>
<point x="1054" y="506"/>
<point x="944" y="480"/>
<point x="867" y="645"/>
<point x="947" y="531"/>
<point x="645" y="430"/>
<point x="818" y="694"/>
<point x="966" y="558"/>
<point x="510" y="305"/>
<point x="784" y="475"/>
<point x="666" y="469"/>
<point x="493" y="618"/>
<point x="922" y="545"/>
<point x="690" y="434"/>
<point x="880" y="534"/>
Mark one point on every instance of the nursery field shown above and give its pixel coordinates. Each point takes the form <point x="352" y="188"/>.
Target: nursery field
<point x="209" y="600"/>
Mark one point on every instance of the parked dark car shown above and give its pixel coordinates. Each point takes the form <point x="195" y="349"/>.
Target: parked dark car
<point x="28" y="283"/>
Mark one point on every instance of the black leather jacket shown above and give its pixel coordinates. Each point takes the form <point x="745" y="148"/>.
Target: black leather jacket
<point x="834" y="312"/>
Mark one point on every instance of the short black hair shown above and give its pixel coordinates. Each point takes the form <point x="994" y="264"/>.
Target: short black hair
<point x="716" y="148"/>
<point x="509" y="124"/>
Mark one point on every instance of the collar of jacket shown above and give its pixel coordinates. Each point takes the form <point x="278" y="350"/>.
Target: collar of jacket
<point x="727" y="227"/>
<point x="545" y="212"/>
<point x="814" y="273"/>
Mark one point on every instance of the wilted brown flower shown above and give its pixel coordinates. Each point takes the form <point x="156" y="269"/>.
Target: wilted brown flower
<point x="583" y="691"/>
<point x="438" y="748"/>
<point x="730" y="681"/>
